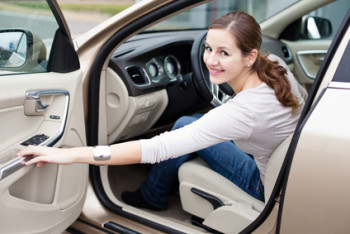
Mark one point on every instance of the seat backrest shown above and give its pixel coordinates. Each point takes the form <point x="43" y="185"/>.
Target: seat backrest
<point x="274" y="165"/>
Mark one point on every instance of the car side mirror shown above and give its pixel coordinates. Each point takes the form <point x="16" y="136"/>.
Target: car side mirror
<point x="20" y="50"/>
<point x="316" y="27"/>
<point x="14" y="48"/>
<point x="307" y="27"/>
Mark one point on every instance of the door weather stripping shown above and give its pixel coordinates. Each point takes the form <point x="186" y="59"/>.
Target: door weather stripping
<point x="17" y="163"/>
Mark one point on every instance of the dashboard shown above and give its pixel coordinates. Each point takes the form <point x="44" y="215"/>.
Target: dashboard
<point x="153" y="62"/>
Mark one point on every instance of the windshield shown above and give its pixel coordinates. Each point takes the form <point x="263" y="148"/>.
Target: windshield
<point x="201" y="17"/>
<point x="83" y="15"/>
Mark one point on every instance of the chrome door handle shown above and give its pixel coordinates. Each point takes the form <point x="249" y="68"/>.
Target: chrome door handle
<point x="36" y="96"/>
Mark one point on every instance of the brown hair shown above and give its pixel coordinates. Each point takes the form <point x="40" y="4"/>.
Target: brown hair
<point x="248" y="37"/>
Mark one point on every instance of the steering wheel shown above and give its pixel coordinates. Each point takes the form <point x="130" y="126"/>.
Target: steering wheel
<point x="215" y="94"/>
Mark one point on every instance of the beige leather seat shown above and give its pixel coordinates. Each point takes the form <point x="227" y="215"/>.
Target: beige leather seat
<point x="239" y="208"/>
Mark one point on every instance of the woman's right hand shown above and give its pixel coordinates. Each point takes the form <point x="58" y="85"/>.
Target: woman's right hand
<point x="121" y="154"/>
<point x="42" y="155"/>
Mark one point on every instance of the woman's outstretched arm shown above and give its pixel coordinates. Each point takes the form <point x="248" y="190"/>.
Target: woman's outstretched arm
<point x="123" y="153"/>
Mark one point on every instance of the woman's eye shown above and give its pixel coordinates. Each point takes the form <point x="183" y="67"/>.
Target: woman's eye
<point x="224" y="53"/>
<point x="208" y="48"/>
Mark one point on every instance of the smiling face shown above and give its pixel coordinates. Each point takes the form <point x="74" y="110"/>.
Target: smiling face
<point x="224" y="59"/>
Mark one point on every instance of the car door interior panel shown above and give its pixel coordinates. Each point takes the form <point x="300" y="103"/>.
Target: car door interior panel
<point x="43" y="109"/>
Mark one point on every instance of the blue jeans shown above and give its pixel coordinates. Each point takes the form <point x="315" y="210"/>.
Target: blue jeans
<point x="225" y="158"/>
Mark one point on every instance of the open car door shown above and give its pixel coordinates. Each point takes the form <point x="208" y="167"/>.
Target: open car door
<point x="41" y="103"/>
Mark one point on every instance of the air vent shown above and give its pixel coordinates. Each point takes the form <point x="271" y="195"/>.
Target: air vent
<point x="137" y="75"/>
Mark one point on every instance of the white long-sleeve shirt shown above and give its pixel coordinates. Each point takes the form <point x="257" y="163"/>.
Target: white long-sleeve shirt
<point x="254" y="119"/>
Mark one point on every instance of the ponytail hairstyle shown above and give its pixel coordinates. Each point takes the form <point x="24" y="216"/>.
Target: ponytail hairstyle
<point x="248" y="37"/>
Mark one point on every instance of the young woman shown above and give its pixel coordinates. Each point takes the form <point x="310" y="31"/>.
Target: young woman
<point x="236" y="139"/>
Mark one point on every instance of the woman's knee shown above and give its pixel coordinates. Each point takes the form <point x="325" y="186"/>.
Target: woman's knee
<point x="183" y="121"/>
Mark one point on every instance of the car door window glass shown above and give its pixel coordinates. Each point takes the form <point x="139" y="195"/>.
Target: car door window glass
<point x="27" y="29"/>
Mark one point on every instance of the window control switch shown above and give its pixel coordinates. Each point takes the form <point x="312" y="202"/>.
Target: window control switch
<point x="35" y="140"/>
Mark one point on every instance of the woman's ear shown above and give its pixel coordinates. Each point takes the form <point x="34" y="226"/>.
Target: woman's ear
<point x="252" y="56"/>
